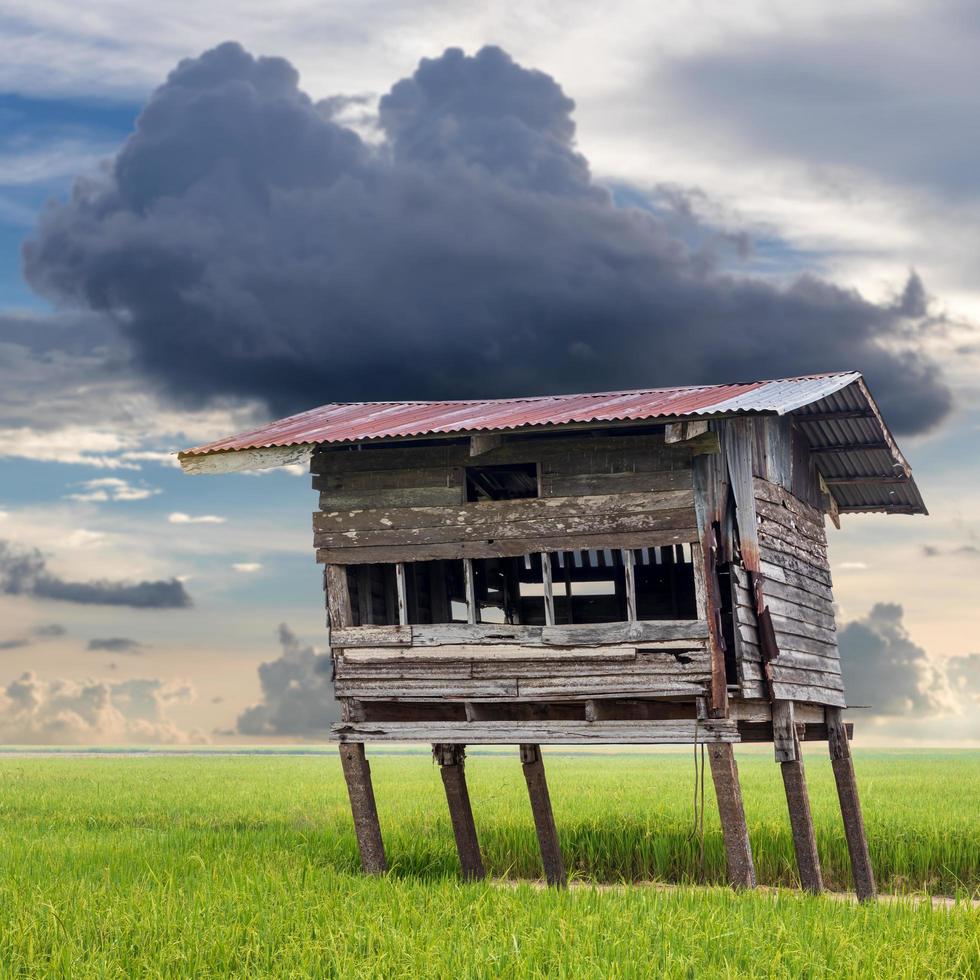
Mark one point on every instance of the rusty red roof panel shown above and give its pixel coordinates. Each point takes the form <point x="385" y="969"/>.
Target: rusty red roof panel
<point x="357" y="421"/>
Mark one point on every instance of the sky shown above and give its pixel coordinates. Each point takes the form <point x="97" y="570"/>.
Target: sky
<point x="214" y="215"/>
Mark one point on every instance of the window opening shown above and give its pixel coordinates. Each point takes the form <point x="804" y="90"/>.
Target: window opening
<point x="587" y="587"/>
<point x="509" y="481"/>
<point x="435" y="592"/>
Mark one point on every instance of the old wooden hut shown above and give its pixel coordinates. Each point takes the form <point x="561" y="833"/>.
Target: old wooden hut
<point x="628" y="567"/>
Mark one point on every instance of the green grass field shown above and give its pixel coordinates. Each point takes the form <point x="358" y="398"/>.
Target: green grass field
<point x="247" y="866"/>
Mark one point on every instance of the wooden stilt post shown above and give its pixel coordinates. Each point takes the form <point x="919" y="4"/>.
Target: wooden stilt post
<point x="738" y="850"/>
<point x="357" y="772"/>
<point x="450" y="759"/>
<point x="797" y="799"/>
<point x="544" y="819"/>
<point x="850" y="806"/>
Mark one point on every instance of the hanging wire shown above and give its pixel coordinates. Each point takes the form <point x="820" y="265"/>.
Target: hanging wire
<point x="697" y="831"/>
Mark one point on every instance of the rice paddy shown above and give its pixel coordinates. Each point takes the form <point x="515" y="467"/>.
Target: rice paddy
<point x="247" y="866"/>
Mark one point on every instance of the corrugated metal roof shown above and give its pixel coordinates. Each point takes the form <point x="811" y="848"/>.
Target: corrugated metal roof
<point x="842" y="414"/>
<point x="359" y="421"/>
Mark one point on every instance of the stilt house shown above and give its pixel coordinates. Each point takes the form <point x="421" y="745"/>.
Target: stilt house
<point x="639" y="566"/>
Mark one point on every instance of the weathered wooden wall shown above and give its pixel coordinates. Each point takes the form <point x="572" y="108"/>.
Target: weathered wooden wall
<point x="392" y="505"/>
<point x="476" y="673"/>
<point x="784" y="542"/>
<point x="751" y="509"/>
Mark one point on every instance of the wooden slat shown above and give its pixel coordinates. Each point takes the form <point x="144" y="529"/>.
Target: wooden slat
<point x="580" y="689"/>
<point x="548" y="590"/>
<point x="500" y="511"/>
<point x="400" y="591"/>
<point x="794" y="579"/>
<point x="578" y="635"/>
<point x="373" y="499"/>
<point x="819" y="574"/>
<point x="501" y="652"/>
<point x="791" y="626"/>
<point x="470" y="584"/>
<point x="773" y="494"/>
<point x="784" y="517"/>
<point x="509" y="548"/>
<point x="630" y="582"/>
<point x="803" y="614"/>
<point x="519" y="450"/>
<point x="801" y="692"/>
<point x="338" y="596"/>
<point x="426" y="689"/>
<point x="801" y="550"/>
<point x="543" y="733"/>
<point x="776" y="536"/>
<point x="643" y="664"/>
<point x="547" y="526"/>
<point x="786" y="674"/>
<point x="591" y="484"/>
<point x="391" y="479"/>
<point x="799" y="597"/>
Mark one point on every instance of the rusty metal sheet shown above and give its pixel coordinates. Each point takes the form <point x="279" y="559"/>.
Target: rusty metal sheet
<point x="358" y="421"/>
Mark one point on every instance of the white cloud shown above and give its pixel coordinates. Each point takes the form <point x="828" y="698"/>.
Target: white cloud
<point x="247" y="567"/>
<point x="853" y="566"/>
<point x="38" y="712"/>
<point x="70" y="444"/>
<point x="42" y="163"/>
<point x="111" y="488"/>
<point x="178" y="518"/>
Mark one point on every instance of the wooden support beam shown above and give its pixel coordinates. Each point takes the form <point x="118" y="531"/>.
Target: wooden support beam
<point x="783" y="731"/>
<point x="629" y="567"/>
<point x="338" y="596"/>
<point x="728" y="791"/>
<point x="357" y="773"/>
<point x="851" y="413"/>
<point x="452" y="765"/>
<point x="856" y="447"/>
<point x="544" y="818"/>
<point x="470" y="583"/>
<point x="682" y="431"/>
<point x="801" y="821"/>
<point x="548" y="589"/>
<point x="850" y="806"/>
<point x="846" y="481"/>
<point x="402" y="593"/>
<point x="484" y="442"/>
<point x="707" y="594"/>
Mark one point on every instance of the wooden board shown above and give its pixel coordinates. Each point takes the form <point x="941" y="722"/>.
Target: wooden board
<point x="584" y="635"/>
<point x="545" y="526"/>
<point x="542" y="733"/>
<point x="509" y="548"/>
<point x="607" y="452"/>
<point x="497" y="512"/>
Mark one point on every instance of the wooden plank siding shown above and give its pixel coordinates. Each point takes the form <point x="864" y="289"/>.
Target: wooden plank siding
<point x="793" y="555"/>
<point x="396" y="505"/>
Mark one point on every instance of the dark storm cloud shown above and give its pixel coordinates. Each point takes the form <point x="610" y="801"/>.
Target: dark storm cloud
<point x="26" y="573"/>
<point x="250" y="244"/>
<point x="115" y="644"/>
<point x="297" y="694"/>
<point x="885" y="669"/>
